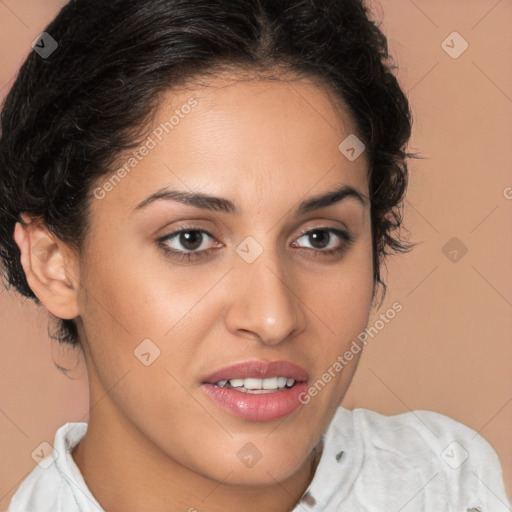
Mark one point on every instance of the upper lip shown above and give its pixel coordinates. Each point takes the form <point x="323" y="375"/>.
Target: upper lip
<point x="258" y="370"/>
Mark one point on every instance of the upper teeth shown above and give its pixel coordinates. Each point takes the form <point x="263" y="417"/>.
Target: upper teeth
<point x="270" y="383"/>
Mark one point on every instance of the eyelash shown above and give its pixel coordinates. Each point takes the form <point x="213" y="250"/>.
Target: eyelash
<point x="347" y="238"/>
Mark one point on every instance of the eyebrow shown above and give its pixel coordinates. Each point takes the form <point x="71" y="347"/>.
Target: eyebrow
<point x="220" y="204"/>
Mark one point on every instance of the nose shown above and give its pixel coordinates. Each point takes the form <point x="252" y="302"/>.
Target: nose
<point x="264" y="304"/>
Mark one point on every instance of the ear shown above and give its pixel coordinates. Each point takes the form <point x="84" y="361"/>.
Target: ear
<point x="50" y="266"/>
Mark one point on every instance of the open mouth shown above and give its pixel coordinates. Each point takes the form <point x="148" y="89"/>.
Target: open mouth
<point x="257" y="386"/>
<point x="257" y="390"/>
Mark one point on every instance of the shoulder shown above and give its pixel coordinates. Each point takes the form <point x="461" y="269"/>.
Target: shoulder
<point x="430" y="436"/>
<point x="421" y="458"/>
<point x="53" y="483"/>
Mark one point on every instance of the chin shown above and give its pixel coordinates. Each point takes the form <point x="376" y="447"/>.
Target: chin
<point x="260" y="474"/>
<point x="243" y="463"/>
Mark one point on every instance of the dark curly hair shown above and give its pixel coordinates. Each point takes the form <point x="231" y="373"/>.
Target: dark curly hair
<point x="70" y="114"/>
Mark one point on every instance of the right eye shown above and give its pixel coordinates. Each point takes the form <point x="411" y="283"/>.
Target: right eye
<point x="186" y="243"/>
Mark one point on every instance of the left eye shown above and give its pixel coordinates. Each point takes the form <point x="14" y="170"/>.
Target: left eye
<point x="322" y="238"/>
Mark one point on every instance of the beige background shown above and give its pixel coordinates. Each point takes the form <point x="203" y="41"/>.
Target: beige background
<point x="450" y="349"/>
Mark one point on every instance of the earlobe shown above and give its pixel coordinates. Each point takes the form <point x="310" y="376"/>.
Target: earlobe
<point x="49" y="267"/>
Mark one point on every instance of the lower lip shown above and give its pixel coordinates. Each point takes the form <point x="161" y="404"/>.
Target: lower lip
<point x="257" y="407"/>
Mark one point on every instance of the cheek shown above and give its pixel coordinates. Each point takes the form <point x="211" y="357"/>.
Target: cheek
<point x="342" y="306"/>
<point x="142" y="339"/>
<point x="130" y="293"/>
<point x="344" y="300"/>
<point x="134" y="313"/>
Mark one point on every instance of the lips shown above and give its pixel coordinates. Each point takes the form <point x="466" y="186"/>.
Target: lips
<point x="255" y="404"/>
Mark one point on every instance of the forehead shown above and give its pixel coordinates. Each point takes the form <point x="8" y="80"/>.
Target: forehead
<point x="250" y="137"/>
<point x="257" y="112"/>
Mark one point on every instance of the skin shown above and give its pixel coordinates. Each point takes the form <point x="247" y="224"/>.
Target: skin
<point x="155" y="441"/>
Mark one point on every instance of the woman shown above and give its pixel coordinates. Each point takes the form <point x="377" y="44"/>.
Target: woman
<point x="202" y="193"/>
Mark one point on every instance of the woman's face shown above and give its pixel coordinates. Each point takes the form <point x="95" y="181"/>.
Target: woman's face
<point x="261" y="283"/>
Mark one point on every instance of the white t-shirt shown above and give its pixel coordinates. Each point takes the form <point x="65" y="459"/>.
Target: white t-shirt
<point x="419" y="461"/>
